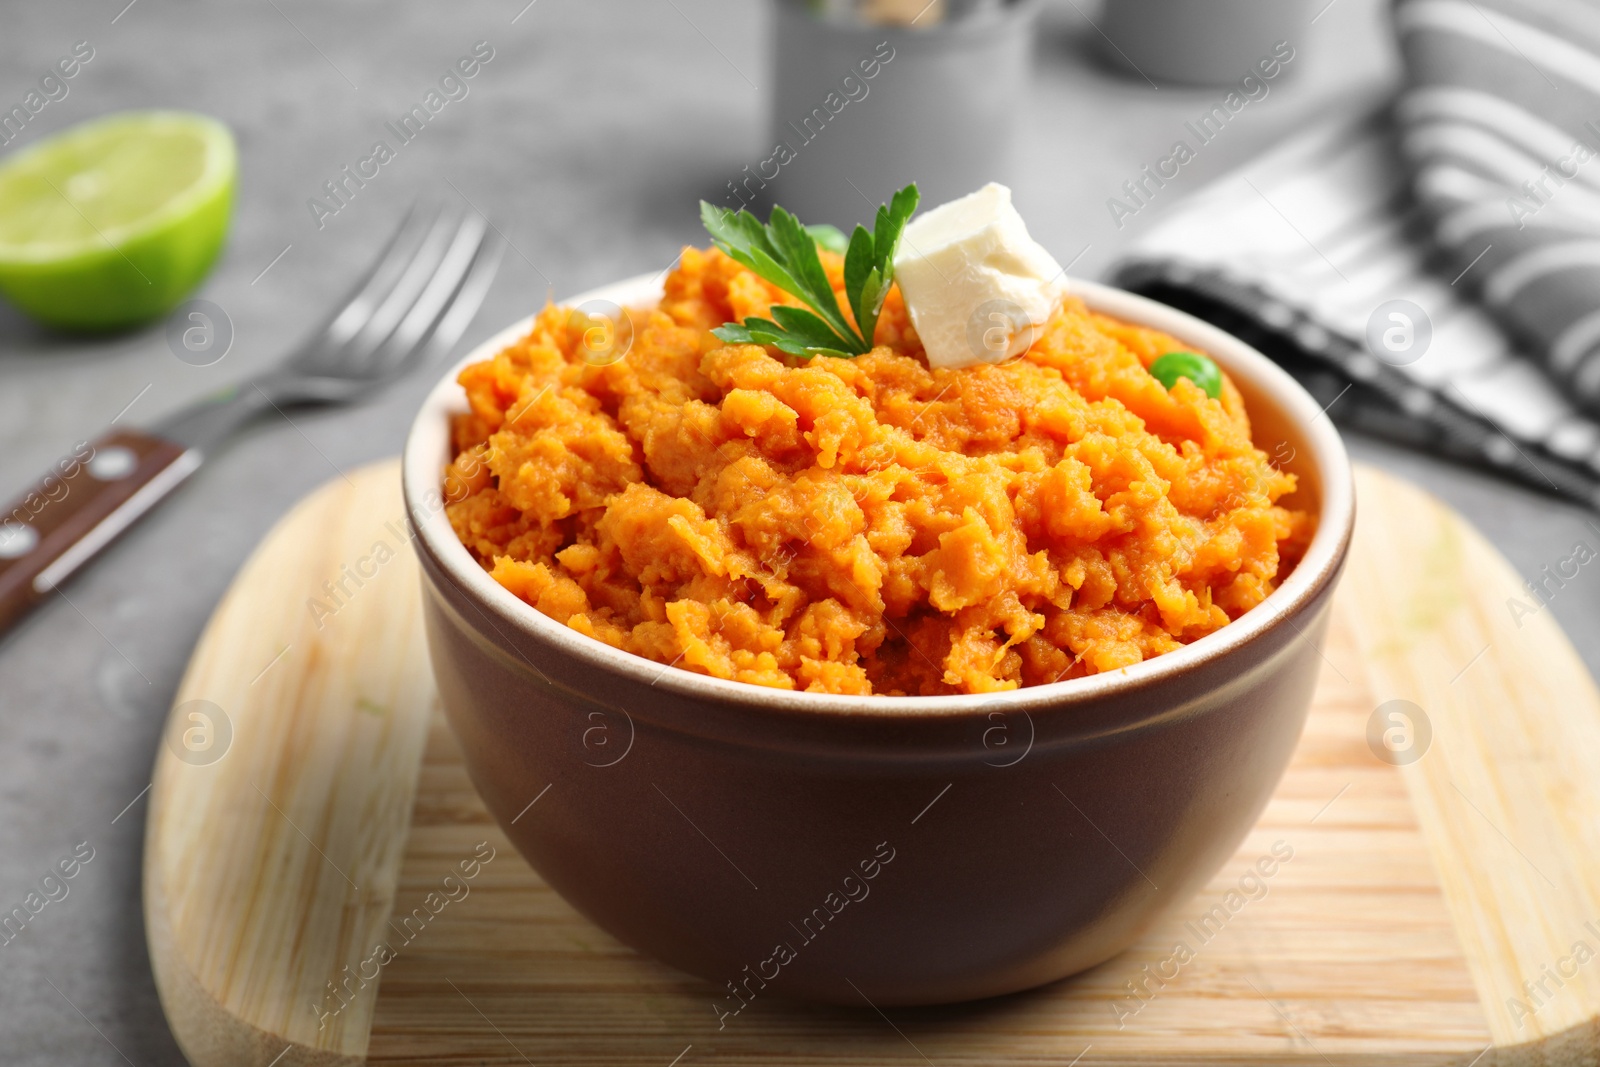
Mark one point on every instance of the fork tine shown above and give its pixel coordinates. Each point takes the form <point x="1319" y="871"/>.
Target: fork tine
<point x="355" y="358"/>
<point x="468" y="299"/>
<point x="358" y="305"/>
<point x="436" y="296"/>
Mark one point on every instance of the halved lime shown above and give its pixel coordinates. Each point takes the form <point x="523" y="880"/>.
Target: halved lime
<point x="112" y="222"/>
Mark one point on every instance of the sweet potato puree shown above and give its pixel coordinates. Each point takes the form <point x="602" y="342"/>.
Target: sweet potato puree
<point x="864" y="525"/>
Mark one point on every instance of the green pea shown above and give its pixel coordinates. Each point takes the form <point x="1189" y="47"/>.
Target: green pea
<point x="1198" y="369"/>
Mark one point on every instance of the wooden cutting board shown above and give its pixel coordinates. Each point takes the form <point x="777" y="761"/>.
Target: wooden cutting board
<point x="311" y="804"/>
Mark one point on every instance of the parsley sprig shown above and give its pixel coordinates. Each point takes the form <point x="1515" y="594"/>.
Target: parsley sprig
<point x="785" y="253"/>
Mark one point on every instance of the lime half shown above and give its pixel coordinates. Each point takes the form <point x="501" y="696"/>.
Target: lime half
<point x="112" y="222"/>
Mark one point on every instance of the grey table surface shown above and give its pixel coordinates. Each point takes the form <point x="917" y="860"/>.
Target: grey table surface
<point x="588" y="137"/>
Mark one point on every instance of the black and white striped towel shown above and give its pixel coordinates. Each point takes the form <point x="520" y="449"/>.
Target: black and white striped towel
<point x="1431" y="271"/>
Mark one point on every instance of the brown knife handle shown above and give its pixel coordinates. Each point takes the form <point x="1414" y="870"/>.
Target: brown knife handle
<point x="90" y="497"/>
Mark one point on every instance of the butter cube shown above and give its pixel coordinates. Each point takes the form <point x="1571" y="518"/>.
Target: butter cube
<point x="978" y="288"/>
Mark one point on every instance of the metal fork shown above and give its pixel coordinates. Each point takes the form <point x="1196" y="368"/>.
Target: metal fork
<point x="415" y="301"/>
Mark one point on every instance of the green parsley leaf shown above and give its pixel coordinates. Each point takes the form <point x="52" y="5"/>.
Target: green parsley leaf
<point x="784" y="252"/>
<point x="756" y="331"/>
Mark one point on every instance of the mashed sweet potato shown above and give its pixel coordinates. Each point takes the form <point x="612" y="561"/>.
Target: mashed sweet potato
<point x="865" y="525"/>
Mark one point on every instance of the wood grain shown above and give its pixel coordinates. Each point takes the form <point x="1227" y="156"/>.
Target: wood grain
<point x="1415" y="901"/>
<point x="1507" y="795"/>
<point x="272" y="868"/>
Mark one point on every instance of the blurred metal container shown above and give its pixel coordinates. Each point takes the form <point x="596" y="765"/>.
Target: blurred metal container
<point x="1201" y="42"/>
<point x="870" y="95"/>
<point x="920" y="13"/>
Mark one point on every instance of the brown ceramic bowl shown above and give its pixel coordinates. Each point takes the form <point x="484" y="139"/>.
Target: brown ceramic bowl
<point x="902" y="850"/>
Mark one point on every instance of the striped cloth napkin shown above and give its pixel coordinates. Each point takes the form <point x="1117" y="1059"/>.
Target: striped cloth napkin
<point x="1431" y="271"/>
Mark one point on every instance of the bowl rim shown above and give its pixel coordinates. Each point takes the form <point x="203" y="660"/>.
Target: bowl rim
<point x="427" y="445"/>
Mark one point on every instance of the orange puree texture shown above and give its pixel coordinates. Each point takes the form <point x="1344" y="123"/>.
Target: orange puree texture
<point x="865" y="525"/>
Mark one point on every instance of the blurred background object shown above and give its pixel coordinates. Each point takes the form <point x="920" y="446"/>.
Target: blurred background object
<point x="902" y="12"/>
<point x="868" y="97"/>
<point x="111" y="223"/>
<point x="1200" y="42"/>
<point x="1431" y="267"/>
